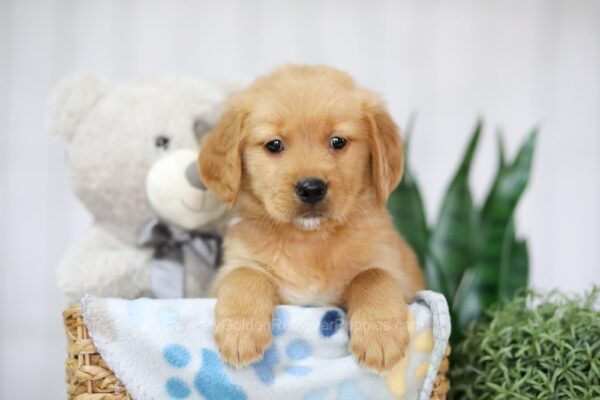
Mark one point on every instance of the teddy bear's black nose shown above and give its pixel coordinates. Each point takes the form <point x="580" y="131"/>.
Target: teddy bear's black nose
<point x="193" y="176"/>
<point x="311" y="190"/>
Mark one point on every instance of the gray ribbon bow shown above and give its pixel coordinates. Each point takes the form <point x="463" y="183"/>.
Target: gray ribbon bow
<point x="168" y="274"/>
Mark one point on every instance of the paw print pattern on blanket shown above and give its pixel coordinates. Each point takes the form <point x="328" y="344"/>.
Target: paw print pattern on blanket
<point x="347" y="390"/>
<point x="211" y="381"/>
<point x="265" y="368"/>
<point x="421" y="344"/>
<point x="176" y="355"/>
<point x="177" y="389"/>
<point x="330" y="323"/>
<point x="296" y="350"/>
<point x="280" y="322"/>
<point x="165" y="349"/>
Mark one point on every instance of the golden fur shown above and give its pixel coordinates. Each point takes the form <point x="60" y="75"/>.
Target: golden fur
<point x="343" y="250"/>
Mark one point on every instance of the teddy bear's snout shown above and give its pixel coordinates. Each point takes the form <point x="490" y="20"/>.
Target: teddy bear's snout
<point x="193" y="176"/>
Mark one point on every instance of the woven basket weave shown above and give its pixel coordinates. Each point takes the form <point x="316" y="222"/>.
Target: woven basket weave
<point x="88" y="377"/>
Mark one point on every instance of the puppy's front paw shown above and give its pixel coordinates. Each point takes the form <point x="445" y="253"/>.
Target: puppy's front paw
<point x="242" y="339"/>
<point x="378" y="344"/>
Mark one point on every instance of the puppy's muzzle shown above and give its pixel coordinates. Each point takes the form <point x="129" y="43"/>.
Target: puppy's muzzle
<point x="311" y="190"/>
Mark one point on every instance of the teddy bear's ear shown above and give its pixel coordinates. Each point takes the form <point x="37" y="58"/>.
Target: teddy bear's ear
<point x="206" y="122"/>
<point x="71" y="102"/>
<point x="232" y="86"/>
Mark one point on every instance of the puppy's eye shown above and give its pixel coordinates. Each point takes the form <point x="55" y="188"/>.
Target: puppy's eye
<point x="275" y="146"/>
<point x="337" y="143"/>
<point x="162" y="142"/>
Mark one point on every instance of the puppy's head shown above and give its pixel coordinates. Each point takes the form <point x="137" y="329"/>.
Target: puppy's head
<point x="304" y="146"/>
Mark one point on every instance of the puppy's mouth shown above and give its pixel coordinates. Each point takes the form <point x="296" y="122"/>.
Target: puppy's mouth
<point x="308" y="223"/>
<point x="310" y="220"/>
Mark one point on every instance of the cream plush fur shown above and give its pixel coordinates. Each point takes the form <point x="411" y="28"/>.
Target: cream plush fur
<point x="111" y="132"/>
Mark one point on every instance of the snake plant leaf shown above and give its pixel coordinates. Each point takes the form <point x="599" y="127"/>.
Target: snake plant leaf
<point x="508" y="186"/>
<point x="453" y="241"/>
<point x="480" y="288"/>
<point x="406" y="206"/>
<point x="407" y="209"/>
<point x="518" y="271"/>
<point x="485" y="211"/>
<point x="466" y="306"/>
<point x="514" y="268"/>
<point x="434" y="276"/>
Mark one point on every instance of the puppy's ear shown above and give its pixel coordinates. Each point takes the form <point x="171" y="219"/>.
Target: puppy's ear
<point x="387" y="150"/>
<point x="220" y="156"/>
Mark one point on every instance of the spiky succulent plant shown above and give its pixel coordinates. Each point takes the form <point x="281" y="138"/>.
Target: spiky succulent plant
<point x="471" y="254"/>
<point x="536" y="346"/>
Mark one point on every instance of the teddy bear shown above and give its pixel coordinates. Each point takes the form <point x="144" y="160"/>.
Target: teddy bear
<point x="131" y="152"/>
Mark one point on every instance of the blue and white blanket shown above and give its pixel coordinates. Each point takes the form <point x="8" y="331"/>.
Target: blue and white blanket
<point x="164" y="349"/>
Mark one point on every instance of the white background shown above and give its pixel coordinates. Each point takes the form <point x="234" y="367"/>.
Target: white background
<point x="516" y="63"/>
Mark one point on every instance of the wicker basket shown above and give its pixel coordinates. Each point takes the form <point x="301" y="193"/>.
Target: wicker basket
<point x="88" y="377"/>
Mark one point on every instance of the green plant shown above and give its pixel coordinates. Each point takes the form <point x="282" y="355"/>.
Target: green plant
<point x="471" y="254"/>
<point x="534" y="347"/>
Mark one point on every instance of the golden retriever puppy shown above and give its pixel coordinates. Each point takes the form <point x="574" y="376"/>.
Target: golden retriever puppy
<point x="308" y="159"/>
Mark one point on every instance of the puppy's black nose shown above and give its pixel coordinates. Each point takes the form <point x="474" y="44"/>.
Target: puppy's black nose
<point x="311" y="190"/>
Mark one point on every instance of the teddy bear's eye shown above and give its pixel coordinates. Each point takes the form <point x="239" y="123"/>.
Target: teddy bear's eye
<point x="162" y="142"/>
